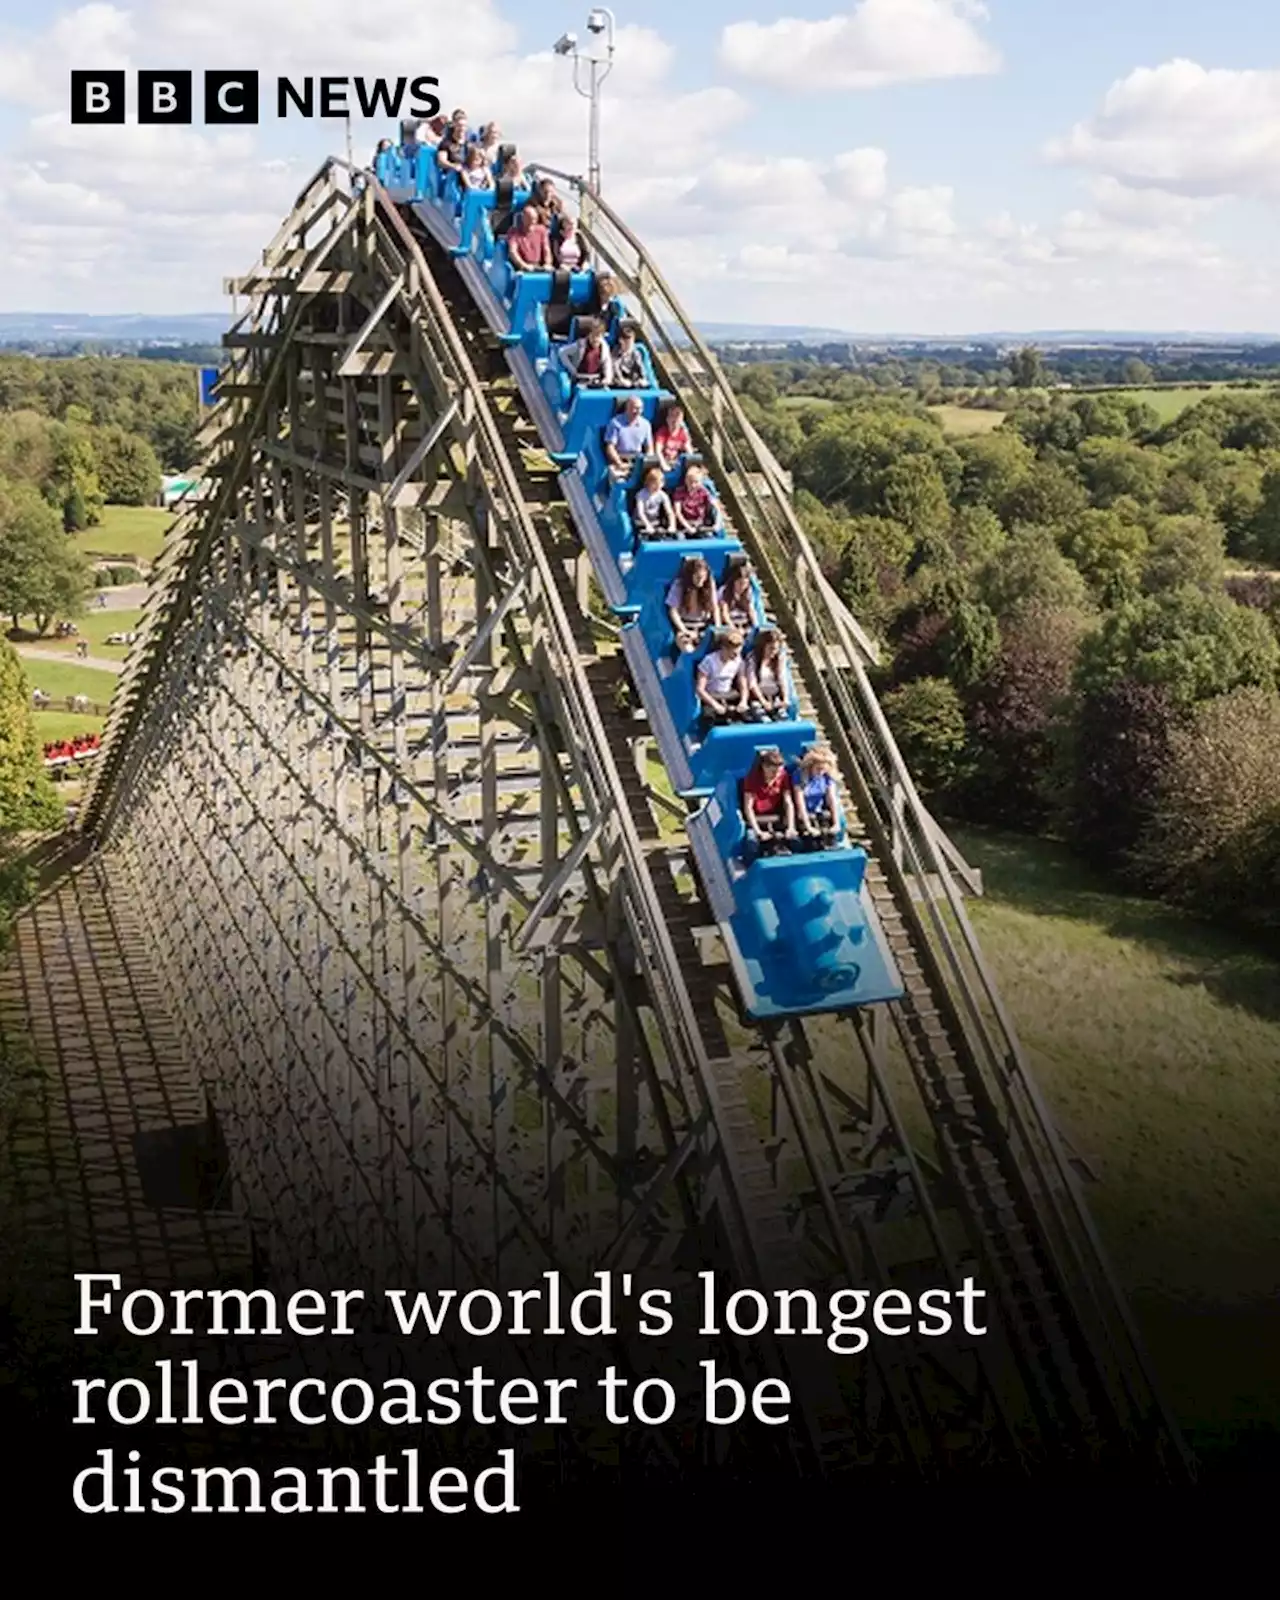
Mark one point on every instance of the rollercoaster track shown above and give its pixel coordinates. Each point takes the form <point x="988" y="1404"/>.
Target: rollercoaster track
<point x="1049" y="1338"/>
<point x="1062" y="1378"/>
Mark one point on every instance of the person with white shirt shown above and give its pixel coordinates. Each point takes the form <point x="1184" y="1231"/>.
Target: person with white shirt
<point x="652" y="513"/>
<point x="719" y="680"/>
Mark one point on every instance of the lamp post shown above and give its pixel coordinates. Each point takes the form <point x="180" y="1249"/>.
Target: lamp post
<point x="600" y="23"/>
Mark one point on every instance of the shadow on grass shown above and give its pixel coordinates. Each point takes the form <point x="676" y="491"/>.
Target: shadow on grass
<point x="1046" y="880"/>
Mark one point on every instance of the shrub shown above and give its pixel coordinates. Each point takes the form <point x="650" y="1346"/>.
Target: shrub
<point x="115" y="577"/>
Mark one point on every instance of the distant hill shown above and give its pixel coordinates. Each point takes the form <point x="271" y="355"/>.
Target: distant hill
<point x="207" y="328"/>
<point x="53" y="326"/>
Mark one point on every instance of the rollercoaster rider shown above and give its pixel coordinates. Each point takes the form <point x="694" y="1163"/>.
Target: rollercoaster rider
<point x="781" y="809"/>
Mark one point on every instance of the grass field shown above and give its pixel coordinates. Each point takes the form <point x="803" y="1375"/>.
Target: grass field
<point x="52" y="725"/>
<point x="131" y="534"/>
<point x="1168" y="403"/>
<point x="797" y="402"/>
<point x="93" y="626"/>
<point x="61" y="678"/>
<point x="1157" y="1042"/>
<point x="964" y="421"/>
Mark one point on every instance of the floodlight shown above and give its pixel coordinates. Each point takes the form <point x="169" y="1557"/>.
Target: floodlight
<point x="597" y="20"/>
<point x="566" y="44"/>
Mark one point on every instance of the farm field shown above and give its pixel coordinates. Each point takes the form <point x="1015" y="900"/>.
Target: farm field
<point x="126" y="532"/>
<point x="1156" y="1041"/>
<point x="964" y="422"/>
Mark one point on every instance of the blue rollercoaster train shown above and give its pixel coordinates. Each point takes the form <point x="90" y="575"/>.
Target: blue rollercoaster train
<point x="800" y="930"/>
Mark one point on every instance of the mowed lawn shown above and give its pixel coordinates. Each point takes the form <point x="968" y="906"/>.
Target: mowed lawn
<point x="1157" y="1042"/>
<point x="133" y="535"/>
<point x="51" y="725"/>
<point x="59" y="679"/>
<point x="95" y="626"/>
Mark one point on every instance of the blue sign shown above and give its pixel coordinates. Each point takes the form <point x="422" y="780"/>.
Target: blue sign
<point x="208" y="378"/>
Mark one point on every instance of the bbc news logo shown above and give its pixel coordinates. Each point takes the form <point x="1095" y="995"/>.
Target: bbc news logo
<point x="233" y="97"/>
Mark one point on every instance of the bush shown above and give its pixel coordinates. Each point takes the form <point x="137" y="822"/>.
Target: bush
<point x="927" y="719"/>
<point x="27" y="800"/>
<point x="115" y="577"/>
<point x="1213" y="843"/>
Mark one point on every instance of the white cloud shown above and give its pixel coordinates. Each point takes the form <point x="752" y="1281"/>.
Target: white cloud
<point x="1186" y="129"/>
<point x="878" y="42"/>
<point x="135" y="218"/>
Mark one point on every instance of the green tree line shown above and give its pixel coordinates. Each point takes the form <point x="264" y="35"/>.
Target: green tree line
<point x="1066" y="651"/>
<point x="65" y="453"/>
<point x="155" y="400"/>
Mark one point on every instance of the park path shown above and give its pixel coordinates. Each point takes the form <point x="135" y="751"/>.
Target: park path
<point x="33" y="652"/>
<point x="128" y="597"/>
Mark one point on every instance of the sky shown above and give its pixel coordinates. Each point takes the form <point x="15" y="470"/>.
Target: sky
<point x="909" y="166"/>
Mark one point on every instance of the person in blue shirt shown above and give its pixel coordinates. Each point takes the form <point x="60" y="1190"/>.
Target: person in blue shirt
<point x="817" y="798"/>
<point x="628" y="435"/>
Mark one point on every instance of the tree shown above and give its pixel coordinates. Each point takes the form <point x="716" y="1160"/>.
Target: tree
<point x="1263" y="537"/>
<point x="1109" y="551"/>
<point x="1047" y="497"/>
<point x="856" y="455"/>
<point x="74" y="484"/>
<point x="75" y="512"/>
<point x="992" y="466"/>
<point x="1195" y="645"/>
<point x="927" y="720"/>
<point x="1115" y="468"/>
<point x="976" y="535"/>
<point x="1027" y="367"/>
<point x="42" y="572"/>
<point x="871" y="566"/>
<point x="1212" y="842"/>
<point x="27" y="800"/>
<point x="1136" y="373"/>
<point x="1185" y="551"/>
<point x="1115" y="753"/>
<point x="128" y="470"/>
<point x="916" y="495"/>
<point x="1030" y="571"/>
<point x="1014" y="719"/>
<point x="971" y="644"/>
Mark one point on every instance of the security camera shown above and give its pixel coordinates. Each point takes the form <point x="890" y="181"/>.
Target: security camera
<point x="566" y="44"/>
<point x="597" y="21"/>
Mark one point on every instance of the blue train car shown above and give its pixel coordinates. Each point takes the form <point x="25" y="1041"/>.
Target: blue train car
<point x="800" y="928"/>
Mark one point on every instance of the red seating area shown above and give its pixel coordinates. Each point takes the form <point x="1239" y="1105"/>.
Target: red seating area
<point x="60" y="750"/>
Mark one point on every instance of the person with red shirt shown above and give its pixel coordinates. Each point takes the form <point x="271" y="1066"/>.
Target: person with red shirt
<point x="768" y="806"/>
<point x="672" y="438"/>
<point x="528" y="243"/>
<point x="697" y="510"/>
